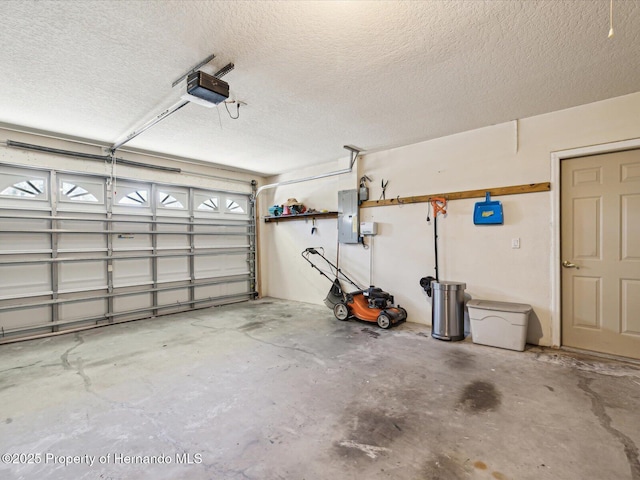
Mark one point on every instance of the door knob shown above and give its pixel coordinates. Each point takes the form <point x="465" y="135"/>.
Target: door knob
<point x="568" y="264"/>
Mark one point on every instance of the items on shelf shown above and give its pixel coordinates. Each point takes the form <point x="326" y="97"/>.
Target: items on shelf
<point x="276" y="210"/>
<point x="309" y="214"/>
<point x="292" y="207"/>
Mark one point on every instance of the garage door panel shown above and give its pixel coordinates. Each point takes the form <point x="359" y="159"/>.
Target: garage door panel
<point x="14" y="242"/>
<point x="75" y="242"/>
<point x="222" y="238"/>
<point x="131" y="242"/>
<point x="30" y="332"/>
<point x="22" y="223"/>
<point x="209" y="291"/>
<point x="132" y="302"/>
<point x="132" y="235"/>
<point x="20" y="280"/>
<point x="133" y="224"/>
<point x="221" y="227"/>
<point x="132" y="272"/>
<point x="202" y="242"/>
<point x="77" y="276"/>
<point x="178" y="298"/>
<point x="173" y="269"/>
<point x="172" y="240"/>
<point x="24" y="317"/>
<point x="84" y="242"/>
<point x="210" y="266"/>
<point x="221" y="290"/>
<point x="83" y="310"/>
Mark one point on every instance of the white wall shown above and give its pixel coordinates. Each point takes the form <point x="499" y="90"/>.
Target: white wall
<point x="284" y="274"/>
<point x="480" y="256"/>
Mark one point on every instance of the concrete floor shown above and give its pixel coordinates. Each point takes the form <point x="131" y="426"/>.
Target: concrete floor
<point x="281" y="390"/>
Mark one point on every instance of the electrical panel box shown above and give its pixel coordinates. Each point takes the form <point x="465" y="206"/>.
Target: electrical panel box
<point x="348" y="224"/>
<point x="368" y="228"/>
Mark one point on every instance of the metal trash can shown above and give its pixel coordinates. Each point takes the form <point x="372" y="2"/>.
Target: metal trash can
<point x="447" y="314"/>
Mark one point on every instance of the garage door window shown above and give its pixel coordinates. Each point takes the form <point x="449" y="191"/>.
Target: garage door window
<point x="173" y="200"/>
<point x="73" y="192"/>
<point x="209" y="205"/>
<point x="137" y="198"/>
<point x="25" y="188"/>
<point x="236" y="206"/>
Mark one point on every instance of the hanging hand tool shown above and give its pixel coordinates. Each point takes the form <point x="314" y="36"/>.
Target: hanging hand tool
<point x="383" y="184"/>
<point x="313" y="226"/>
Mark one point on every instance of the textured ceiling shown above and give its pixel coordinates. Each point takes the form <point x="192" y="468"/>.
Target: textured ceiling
<point x="314" y="75"/>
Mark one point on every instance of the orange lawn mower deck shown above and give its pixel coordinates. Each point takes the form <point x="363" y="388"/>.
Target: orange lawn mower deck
<point x="370" y="305"/>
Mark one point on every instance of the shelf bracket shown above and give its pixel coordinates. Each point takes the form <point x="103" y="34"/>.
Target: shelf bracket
<point x="355" y="151"/>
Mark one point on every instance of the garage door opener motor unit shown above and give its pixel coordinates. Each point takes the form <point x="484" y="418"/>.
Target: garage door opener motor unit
<point x="207" y="87"/>
<point x="370" y="305"/>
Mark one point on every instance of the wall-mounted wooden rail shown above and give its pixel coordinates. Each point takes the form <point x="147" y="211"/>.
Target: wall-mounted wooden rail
<point x="495" y="192"/>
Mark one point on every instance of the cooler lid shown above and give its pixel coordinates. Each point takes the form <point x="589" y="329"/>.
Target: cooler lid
<point x="499" y="306"/>
<point x="448" y="285"/>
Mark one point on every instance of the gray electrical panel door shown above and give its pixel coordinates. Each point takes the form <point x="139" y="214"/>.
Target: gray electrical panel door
<point x="348" y="224"/>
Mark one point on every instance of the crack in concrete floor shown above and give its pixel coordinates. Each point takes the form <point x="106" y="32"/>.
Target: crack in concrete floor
<point x="599" y="410"/>
<point x="78" y="366"/>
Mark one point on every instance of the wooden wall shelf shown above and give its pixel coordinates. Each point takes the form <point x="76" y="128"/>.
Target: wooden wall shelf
<point x="301" y="216"/>
<point x="495" y="192"/>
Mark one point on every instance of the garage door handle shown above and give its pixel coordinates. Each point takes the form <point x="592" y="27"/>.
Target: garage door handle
<point x="568" y="264"/>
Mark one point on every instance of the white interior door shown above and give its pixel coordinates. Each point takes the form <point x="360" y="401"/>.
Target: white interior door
<point x="600" y="202"/>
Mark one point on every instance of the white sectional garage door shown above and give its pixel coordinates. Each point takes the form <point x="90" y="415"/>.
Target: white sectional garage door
<point x="73" y="255"/>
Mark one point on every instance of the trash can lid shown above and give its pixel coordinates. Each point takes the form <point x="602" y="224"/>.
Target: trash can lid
<point x="499" y="306"/>
<point x="448" y="285"/>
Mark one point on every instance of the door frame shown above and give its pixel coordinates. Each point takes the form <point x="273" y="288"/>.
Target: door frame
<point x="556" y="260"/>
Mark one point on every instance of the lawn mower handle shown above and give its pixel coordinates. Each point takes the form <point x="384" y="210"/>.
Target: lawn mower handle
<point x="339" y="274"/>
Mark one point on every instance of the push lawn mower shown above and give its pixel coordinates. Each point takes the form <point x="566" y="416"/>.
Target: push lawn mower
<point x="370" y="305"/>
